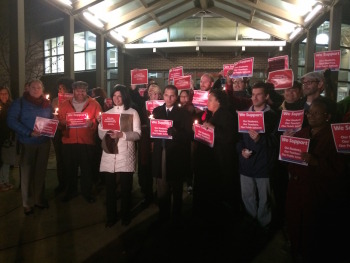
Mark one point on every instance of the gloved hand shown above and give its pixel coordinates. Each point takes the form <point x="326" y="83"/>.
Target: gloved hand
<point x="172" y="131"/>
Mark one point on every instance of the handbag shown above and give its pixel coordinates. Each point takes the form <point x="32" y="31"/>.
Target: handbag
<point x="110" y="145"/>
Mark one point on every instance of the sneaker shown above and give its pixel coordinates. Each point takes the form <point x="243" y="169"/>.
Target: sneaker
<point x="189" y="190"/>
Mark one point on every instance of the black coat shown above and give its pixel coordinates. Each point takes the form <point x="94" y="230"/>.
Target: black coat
<point x="178" y="149"/>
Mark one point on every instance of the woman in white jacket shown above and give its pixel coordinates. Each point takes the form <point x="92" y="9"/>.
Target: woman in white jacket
<point x="119" y="157"/>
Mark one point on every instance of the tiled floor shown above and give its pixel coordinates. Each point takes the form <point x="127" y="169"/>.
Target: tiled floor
<point x="75" y="232"/>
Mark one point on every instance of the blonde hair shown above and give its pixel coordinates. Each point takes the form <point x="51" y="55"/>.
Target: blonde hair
<point x="154" y="88"/>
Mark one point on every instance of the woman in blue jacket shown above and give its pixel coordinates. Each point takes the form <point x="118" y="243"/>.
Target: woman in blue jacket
<point x="34" y="147"/>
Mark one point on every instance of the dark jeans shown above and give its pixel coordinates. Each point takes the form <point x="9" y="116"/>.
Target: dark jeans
<point x="57" y="144"/>
<point x="75" y="156"/>
<point x="112" y="180"/>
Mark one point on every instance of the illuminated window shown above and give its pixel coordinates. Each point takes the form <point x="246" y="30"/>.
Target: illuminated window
<point x="112" y="66"/>
<point x="84" y="51"/>
<point x="53" y="55"/>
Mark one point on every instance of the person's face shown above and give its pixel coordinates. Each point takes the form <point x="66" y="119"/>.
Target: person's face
<point x="184" y="98"/>
<point x="170" y="97"/>
<point x="35" y="89"/>
<point x="4" y="96"/>
<point x="206" y="83"/>
<point x="80" y="94"/>
<point x="154" y="95"/>
<point x="213" y="103"/>
<point x="259" y="98"/>
<point x="291" y="95"/>
<point x="311" y="86"/>
<point x="317" y="116"/>
<point x="117" y="98"/>
<point x="62" y="89"/>
<point x="238" y="85"/>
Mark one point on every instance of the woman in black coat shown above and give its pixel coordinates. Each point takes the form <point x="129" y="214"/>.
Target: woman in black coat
<point x="216" y="181"/>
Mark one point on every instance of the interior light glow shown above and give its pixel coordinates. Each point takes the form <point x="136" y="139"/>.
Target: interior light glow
<point x="66" y="2"/>
<point x="92" y="19"/>
<point x="322" y="39"/>
<point x="243" y="48"/>
<point x="117" y="36"/>
<point x="281" y="48"/>
<point x="313" y="13"/>
<point x="295" y="32"/>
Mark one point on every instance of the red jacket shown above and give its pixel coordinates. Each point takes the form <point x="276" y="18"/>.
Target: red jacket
<point x="79" y="135"/>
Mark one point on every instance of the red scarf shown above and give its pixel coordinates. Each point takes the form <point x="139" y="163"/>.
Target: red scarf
<point x="41" y="101"/>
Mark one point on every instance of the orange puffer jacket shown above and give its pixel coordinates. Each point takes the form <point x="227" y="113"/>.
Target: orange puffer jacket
<point x="79" y="135"/>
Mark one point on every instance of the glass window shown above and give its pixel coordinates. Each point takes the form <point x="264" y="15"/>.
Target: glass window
<point x="79" y="42"/>
<point x="91" y="60"/>
<point x="79" y="61"/>
<point x="53" y="51"/>
<point x="112" y="74"/>
<point x="345" y="35"/>
<point x="90" y="41"/>
<point x="60" y="46"/>
<point x="112" y="57"/>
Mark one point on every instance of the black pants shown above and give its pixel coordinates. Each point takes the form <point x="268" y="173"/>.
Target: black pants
<point x="75" y="156"/>
<point x="57" y="144"/>
<point x="112" y="180"/>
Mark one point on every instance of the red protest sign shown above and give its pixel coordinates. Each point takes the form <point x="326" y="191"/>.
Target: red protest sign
<point x="175" y="73"/>
<point x="183" y="82"/>
<point x="139" y="76"/>
<point x="159" y="128"/>
<point x="62" y="97"/>
<point x="110" y="121"/>
<point x="243" y="68"/>
<point x="77" y="119"/>
<point x="251" y="120"/>
<point x="291" y="120"/>
<point x="46" y="127"/>
<point x="327" y="59"/>
<point x="278" y="63"/>
<point x="227" y="67"/>
<point x="291" y="149"/>
<point x="281" y="79"/>
<point x="341" y="136"/>
<point x="204" y="135"/>
<point x="200" y="99"/>
<point x="152" y="104"/>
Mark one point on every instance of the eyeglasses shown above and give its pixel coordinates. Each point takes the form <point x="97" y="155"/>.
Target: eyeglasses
<point x="309" y="82"/>
<point x="315" y="113"/>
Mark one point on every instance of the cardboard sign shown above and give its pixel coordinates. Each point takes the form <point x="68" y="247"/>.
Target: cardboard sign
<point x="183" y="82"/>
<point x="291" y="120"/>
<point x="152" y="104"/>
<point x="327" y="59"/>
<point x="46" y="127"/>
<point x="110" y="121"/>
<point x="204" y="135"/>
<point x="278" y="63"/>
<point x="226" y="68"/>
<point x="291" y="149"/>
<point x="341" y="136"/>
<point x="159" y="128"/>
<point x="139" y="76"/>
<point x="200" y="99"/>
<point x="142" y="91"/>
<point x="281" y="79"/>
<point x="243" y="68"/>
<point x="251" y="120"/>
<point x="175" y="73"/>
<point x="77" y="119"/>
<point x="62" y="97"/>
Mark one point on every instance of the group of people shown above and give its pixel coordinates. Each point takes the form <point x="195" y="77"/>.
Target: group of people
<point x="239" y="173"/>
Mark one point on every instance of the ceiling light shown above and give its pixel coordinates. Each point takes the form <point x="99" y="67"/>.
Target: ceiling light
<point x="154" y="50"/>
<point x="66" y="2"/>
<point x="92" y="19"/>
<point x="281" y="48"/>
<point x="197" y="48"/>
<point x="322" y="39"/>
<point x="117" y="36"/>
<point x="243" y="48"/>
<point x="313" y="13"/>
<point x="295" y="32"/>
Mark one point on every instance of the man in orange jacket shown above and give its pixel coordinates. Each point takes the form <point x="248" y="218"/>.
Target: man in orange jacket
<point x="77" y="118"/>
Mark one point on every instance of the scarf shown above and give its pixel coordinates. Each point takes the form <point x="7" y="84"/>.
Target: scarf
<point x="41" y="101"/>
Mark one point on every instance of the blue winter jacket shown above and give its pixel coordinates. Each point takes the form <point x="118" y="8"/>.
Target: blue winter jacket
<point x="21" y="118"/>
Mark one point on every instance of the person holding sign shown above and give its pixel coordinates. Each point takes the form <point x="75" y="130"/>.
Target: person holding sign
<point x="169" y="154"/>
<point x="216" y="185"/>
<point x="78" y="141"/>
<point x="64" y="87"/>
<point x="118" y="161"/>
<point x="257" y="157"/>
<point x="315" y="208"/>
<point x="34" y="148"/>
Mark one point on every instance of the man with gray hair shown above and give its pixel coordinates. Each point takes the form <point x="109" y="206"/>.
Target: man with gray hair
<point x="78" y="142"/>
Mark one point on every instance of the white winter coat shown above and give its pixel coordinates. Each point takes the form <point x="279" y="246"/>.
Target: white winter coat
<point x="125" y="159"/>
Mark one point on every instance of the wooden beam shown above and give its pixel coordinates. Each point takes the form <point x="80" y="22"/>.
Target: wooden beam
<point x="79" y="6"/>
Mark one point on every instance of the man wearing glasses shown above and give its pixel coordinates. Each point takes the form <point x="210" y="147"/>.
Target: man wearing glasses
<point x="313" y="86"/>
